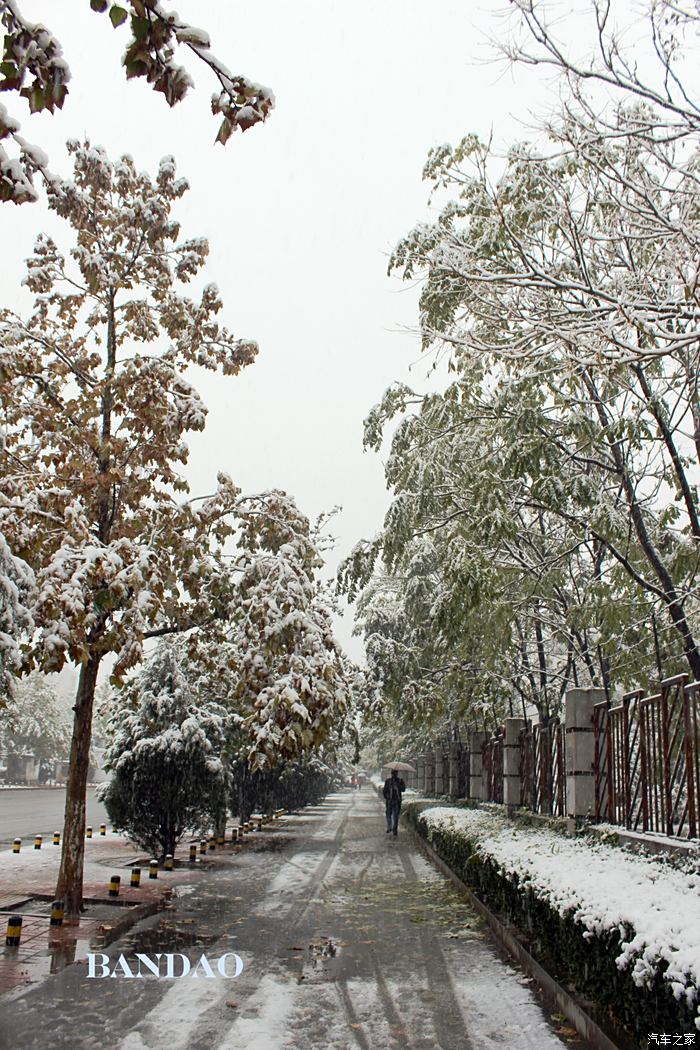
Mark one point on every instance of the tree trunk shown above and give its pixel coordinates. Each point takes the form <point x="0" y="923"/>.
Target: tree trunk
<point x="675" y="604"/>
<point x="69" y="887"/>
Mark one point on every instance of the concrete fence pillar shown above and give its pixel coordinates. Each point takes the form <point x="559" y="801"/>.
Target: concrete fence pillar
<point x="430" y="773"/>
<point x="477" y="787"/>
<point x="454" y="788"/>
<point x="580" y="750"/>
<point x="512" y="783"/>
<point x="439" y="772"/>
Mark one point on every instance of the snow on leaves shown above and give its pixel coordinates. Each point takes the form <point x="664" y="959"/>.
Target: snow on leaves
<point x="555" y="476"/>
<point x="33" y="65"/>
<point x="164" y="753"/>
<point x="602" y="888"/>
<point x="16" y="594"/>
<point x="291" y="681"/>
<point x="95" y="408"/>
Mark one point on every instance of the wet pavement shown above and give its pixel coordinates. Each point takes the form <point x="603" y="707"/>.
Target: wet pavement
<point x="348" y="937"/>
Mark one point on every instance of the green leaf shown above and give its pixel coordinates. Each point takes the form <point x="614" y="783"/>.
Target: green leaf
<point x="99" y="5"/>
<point x="117" y="15"/>
<point x="141" y="28"/>
<point x="136" y="68"/>
<point x="36" y="97"/>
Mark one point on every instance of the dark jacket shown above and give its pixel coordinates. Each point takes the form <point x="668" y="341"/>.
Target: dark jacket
<point x="393" y="789"/>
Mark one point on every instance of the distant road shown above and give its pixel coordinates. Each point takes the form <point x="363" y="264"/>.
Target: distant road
<point x="25" y="812"/>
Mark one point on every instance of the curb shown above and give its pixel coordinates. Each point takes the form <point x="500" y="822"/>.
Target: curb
<point x="569" y="1006"/>
<point x="133" y="913"/>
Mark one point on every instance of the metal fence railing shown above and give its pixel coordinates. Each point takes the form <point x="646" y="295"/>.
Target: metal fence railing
<point x="542" y="773"/>
<point x="646" y="761"/>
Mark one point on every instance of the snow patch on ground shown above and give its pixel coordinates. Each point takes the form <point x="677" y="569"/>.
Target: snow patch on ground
<point x="270" y="1006"/>
<point x="179" y="1013"/>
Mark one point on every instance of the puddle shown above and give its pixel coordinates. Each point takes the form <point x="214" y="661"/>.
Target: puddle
<point x="41" y="956"/>
<point x="323" y="948"/>
<point x="168" y="936"/>
<point x="319" y="961"/>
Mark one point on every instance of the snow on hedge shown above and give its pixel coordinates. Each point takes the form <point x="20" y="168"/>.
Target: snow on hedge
<point x="655" y="907"/>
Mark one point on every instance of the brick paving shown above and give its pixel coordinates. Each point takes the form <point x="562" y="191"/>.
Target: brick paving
<point x="27" y="884"/>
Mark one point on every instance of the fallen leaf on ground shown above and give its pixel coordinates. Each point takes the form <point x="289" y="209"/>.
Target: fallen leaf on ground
<point x="230" y="1002"/>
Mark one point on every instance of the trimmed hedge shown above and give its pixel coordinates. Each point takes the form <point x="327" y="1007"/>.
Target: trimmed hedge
<point x="584" y="963"/>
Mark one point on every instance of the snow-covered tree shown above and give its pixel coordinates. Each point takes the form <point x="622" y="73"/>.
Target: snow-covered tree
<point x="16" y="593"/>
<point x="545" y="523"/>
<point x="164" y="755"/>
<point x="291" y="681"/>
<point x="95" y="406"/>
<point x="567" y="273"/>
<point x="33" y="66"/>
<point x="35" y="724"/>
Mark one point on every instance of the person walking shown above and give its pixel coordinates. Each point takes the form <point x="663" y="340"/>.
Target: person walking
<point x="393" y="789"/>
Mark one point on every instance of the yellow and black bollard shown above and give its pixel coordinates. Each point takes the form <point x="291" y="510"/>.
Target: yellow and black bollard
<point x="88" y="832"/>
<point x="16" y="845"/>
<point x="14" y="931"/>
<point x="168" y="862"/>
<point x="260" y="824"/>
<point x="203" y="847"/>
<point x="220" y="840"/>
<point x="135" y="878"/>
<point x="57" y="913"/>
<point x="103" y="829"/>
<point x="57" y="838"/>
<point x="114" y="884"/>
<point x="212" y="843"/>
<point x="153" y="869"/>
<point x="38" y="839"/>
<point x="193" y="853"/>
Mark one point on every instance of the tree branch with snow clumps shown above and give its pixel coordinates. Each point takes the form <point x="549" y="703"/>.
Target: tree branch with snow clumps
<point x="34" y="67"/>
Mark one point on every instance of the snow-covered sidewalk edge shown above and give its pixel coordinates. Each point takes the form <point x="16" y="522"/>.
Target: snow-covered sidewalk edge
<point x="648" y="910"/>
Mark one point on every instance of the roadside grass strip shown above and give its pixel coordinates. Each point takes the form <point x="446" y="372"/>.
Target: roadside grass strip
<point x="623" y="927"/>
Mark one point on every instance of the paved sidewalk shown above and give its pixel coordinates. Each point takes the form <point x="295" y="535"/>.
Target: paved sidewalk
<point x="350" y="940"/>
<point x="28" y="881"/>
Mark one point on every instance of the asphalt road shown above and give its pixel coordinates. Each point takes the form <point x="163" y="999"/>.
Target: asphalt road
<point x="25" y="812"/>
<point x="350" y="940"/>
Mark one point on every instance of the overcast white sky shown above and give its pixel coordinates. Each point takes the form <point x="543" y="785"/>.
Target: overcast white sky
<point x="301" y="213"/>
